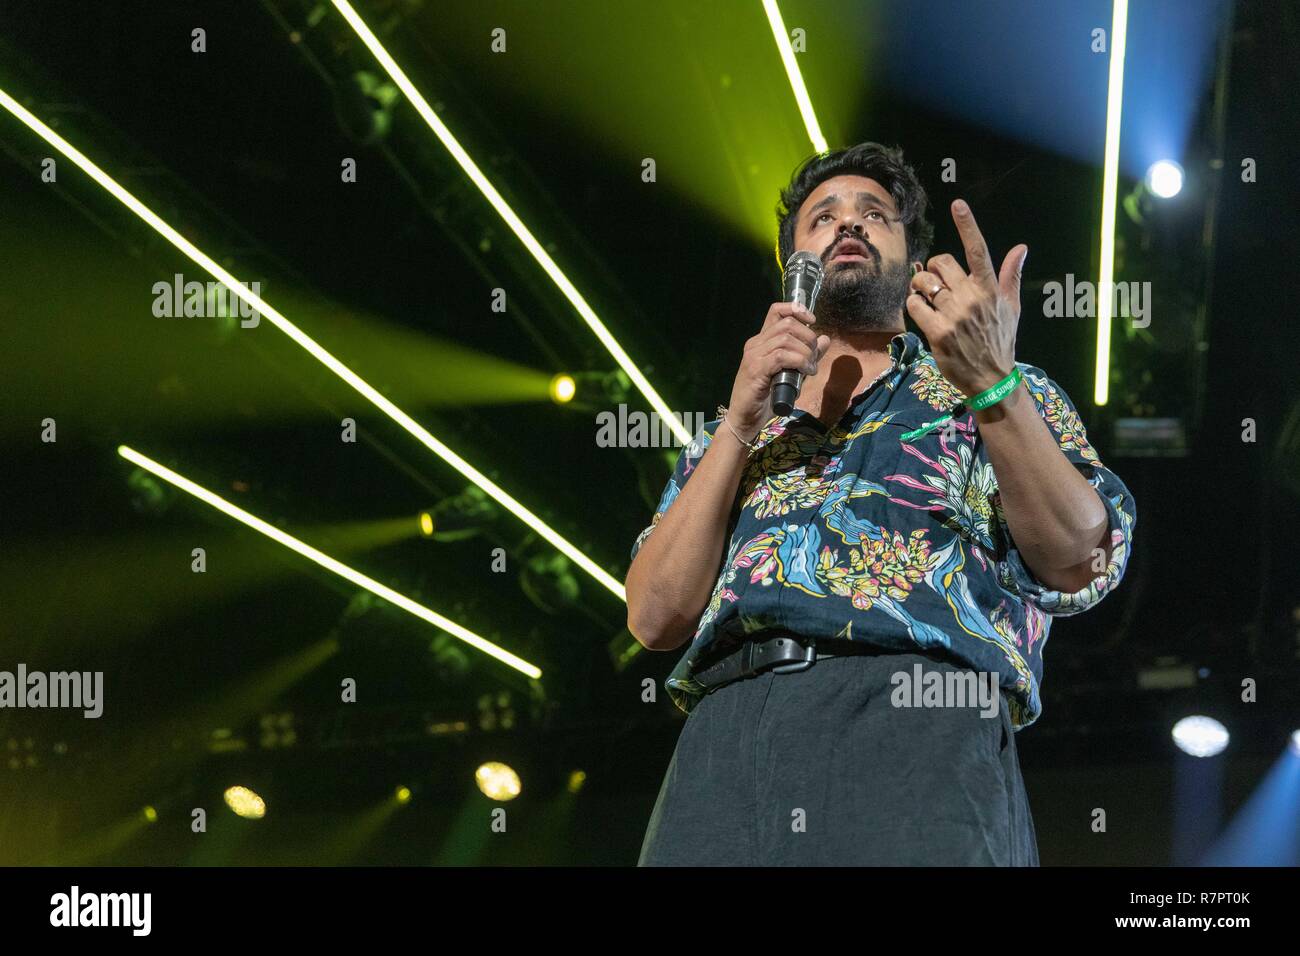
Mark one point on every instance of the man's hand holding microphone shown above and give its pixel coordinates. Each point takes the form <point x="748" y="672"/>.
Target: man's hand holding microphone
<point x="786" y="341"/>
<point x="672" y="575"/>
<point x="669" y="582"/>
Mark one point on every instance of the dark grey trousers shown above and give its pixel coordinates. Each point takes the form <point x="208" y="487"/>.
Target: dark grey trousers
<point x="818" y="768"/>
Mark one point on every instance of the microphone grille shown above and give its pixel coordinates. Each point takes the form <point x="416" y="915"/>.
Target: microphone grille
<point x="804" y="261"/>
<point x="803" y="277"/>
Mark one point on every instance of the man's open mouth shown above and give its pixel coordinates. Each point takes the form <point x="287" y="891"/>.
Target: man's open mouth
<point x="850" y="250"/>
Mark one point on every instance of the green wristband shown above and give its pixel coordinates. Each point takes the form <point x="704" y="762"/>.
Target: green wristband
<point x="985" y="399"/>
<point x="991" y="396"/>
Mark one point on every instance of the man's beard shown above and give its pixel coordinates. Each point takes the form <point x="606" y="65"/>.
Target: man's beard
<point x="853" y="299"/>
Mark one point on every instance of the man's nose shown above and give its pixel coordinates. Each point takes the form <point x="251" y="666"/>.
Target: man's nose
<point x="851" y="229"/>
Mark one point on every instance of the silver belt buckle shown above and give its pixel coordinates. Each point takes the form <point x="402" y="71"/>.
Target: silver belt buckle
<point x="809" y="658"/>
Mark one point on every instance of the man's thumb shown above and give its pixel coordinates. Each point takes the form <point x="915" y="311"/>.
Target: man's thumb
<point x="1012" y="267"/>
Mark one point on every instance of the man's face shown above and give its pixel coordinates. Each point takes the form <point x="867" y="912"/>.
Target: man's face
<point x="851" y="224"/>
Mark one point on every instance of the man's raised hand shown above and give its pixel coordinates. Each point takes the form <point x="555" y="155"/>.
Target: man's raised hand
<point x="970" y="319"/>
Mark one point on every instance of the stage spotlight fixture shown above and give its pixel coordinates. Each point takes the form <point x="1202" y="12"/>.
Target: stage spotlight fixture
<point x="497" y="781"/>
<point x="449" y="659"/>
<point x="1168" y="673"/>
<point x="615" y="386"/>
<point x="150" y="815"/>
<point x="223" y="740"/>
<point x="148" y="495"/>
<point x="364" y="107"/>
<point x="1137" y="204"/>
<point x="623" y="650"/>
<point x="28" y="756"/>
<point x="403" y="795"/>
<point x="460" y="517"/>
<point x="1150" y="437"/>
<point x="1295" y="743"/>
<point x="224" y="309"/>
<point x="576" y="780"/>
<point x="1200" y="736"/>
<point x="547" y="581"/>
<point x="1164" y="179"/>
<point x="591" y="390"/>
<point x="496" y="712"/>
<point x="245" y="803"/>
<point x="277" y="731"/>
<point x="563" y="388"/>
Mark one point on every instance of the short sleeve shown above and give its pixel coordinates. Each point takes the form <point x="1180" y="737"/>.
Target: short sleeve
<point x="687" y="460"/>
<point x="1063" y="420"/>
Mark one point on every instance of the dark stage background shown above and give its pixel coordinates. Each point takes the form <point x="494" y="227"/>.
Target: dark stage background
<point x="233" y="676"/>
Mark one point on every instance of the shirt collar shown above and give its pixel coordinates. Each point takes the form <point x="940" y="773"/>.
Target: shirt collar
<point x="905" y="348"/>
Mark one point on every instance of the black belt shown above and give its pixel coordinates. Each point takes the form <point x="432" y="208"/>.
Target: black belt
<point x="784" y="653"/>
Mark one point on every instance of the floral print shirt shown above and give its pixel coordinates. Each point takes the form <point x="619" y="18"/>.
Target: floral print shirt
<point x="851" y="532"/>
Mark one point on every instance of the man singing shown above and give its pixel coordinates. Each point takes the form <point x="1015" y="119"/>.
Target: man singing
<point x="845" y="572"/>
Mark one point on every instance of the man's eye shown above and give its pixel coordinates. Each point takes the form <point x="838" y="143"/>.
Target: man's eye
<point x="822" y="216"/>
<point x="876" y="213"/>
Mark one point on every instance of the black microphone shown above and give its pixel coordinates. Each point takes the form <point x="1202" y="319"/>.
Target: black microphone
<point x="803" y="280"/>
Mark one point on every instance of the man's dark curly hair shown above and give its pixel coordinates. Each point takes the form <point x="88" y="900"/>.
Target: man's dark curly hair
<point x="885" y="165"/>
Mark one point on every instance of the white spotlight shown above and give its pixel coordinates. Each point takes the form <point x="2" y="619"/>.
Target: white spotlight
<point x="1200" y="736"/>
<point x="1295" y="743"/>
<point x="1165" y="178"/>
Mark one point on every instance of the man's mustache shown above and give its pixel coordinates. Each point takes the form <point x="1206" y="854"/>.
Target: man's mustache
<point x="871" y="250"/>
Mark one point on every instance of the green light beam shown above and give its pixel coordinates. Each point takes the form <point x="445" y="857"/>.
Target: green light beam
<point x="796" y="77"/>
<point x="570" y="291"/>
<point x="330" y="564"/>
<point x="1109" y="194"/>
<point x="314" y="348"/>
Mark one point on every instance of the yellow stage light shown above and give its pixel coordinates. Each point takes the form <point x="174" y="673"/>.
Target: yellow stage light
<point x="245" y="803"/>
<point x="516" y="224"/>
<point x="497" y="781"/>
<point x="563" y="388"/>
<point x="403" y="795"/>
<point x="150" y="815"/>
<point x="317" y="351"/>
<point x="426" y="524"/>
